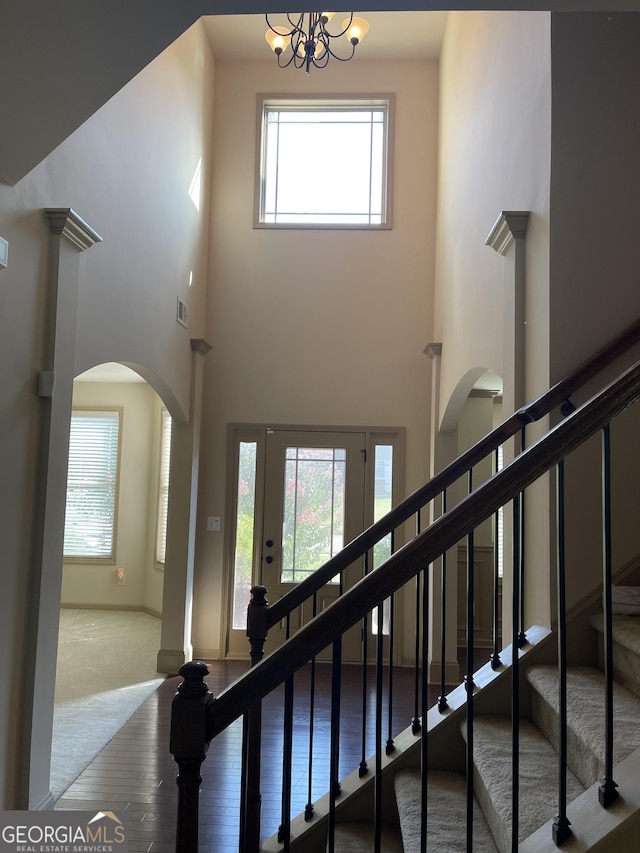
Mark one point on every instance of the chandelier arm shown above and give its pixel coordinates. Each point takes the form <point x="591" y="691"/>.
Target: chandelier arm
<point x="342" y="32"/>
<point x="295" y="27"/>
<point x="341" y="58"/>
<point x="322" y="63"/>
<point x="287" y="63"/>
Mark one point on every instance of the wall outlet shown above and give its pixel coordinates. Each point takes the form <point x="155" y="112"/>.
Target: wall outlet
<point x="121" y="576"/>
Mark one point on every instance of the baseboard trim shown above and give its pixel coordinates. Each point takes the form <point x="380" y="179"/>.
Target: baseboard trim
<point x="200" y="653"/>
<point x="46" y="804"/>
<point x="451" y="672"/>
<point x="137" y="608"/>
<point x="169" y="661"/>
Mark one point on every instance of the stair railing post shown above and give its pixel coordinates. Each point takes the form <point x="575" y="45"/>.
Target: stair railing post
<point x="251" y="799"/>
<point x="188" y="745"/>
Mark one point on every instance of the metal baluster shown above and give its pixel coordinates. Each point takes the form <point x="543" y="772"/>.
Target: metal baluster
<point x="561" y="823"/>
<point x="469" y="679"/>
<point x="390" y="745"/>
<point x="308" y="809"/>
<point x="442" y="699"/>
<point x="377" y="815"/>
<point x="242" y="844"/>
<point x="522" y="637"/>
<point x="364" y="767"/>
<point x="424" y="740"/>
<point x="286" y="813"/>
<point x="515" y="681"/>
<point x="415" y="722"/>
<point x="495" y="656"/>
<point x="607" y="792"/>
<point x="284" y="830"/>
<point x="334" y="762"/>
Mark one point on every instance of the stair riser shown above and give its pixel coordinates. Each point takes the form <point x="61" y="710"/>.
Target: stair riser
<point x="580" y="757"/>
<point x="501" y="833"/>
<point x="626" y="667"/>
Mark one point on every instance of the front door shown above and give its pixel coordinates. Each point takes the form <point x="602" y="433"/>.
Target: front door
<point x="313" y="506"/>
<point x="297" y="497"/>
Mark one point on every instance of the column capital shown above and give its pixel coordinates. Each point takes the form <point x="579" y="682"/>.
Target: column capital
<point x="510" y="225"/>
<point x="200" y="346"/>
<point x="433" y="350"/>
<point x="65" y="222"/>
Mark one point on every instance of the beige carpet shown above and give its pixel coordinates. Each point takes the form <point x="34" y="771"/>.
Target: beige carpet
<point x="106" y="669"/>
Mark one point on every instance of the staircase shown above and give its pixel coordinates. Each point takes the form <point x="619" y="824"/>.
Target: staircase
<point x="521" y="740"/>
<point x="539" y="763"/>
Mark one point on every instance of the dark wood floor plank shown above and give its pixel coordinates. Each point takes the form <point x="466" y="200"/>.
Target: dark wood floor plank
<point x="136" y="773"/>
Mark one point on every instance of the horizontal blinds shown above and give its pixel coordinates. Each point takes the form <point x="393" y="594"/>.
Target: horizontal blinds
<point x="163" y="492"/>
<point x="92" y="484"/>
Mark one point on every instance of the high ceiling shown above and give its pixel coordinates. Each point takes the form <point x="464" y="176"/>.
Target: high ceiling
<point x="393" y="35"/>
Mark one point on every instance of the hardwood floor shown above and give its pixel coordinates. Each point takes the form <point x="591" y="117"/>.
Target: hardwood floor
<point x="135" y="772"/>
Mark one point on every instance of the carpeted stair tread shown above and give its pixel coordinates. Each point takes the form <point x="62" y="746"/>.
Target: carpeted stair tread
<point x="446" y="813"/>
<point x="359" y="838"/>
<point x="538" y="782"/>
<point x="585" y="692"/>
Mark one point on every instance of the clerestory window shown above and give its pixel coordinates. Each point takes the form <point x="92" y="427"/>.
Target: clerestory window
<point x="324" y="162"/>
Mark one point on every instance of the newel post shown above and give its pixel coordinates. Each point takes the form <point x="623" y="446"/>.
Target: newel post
<point x="257" y="612"/>
<point x="188" y="745"/>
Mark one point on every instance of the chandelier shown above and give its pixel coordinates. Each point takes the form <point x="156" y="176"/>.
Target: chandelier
<point x="310" y="41"/>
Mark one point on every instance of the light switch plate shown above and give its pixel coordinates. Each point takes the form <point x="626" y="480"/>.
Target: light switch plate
<point x="4" y="253"/>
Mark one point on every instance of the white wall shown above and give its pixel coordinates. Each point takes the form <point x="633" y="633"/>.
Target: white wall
<point x="495" y="155"/>
<point x="595" y="183"/>
<point x="127" y="172"/>
<point x="314" y="327"/>
<point x="95" y="584"/>
<point x="594" y="256"/>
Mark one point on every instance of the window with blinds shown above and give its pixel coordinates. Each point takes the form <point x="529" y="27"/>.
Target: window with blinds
<point x="163" y="488"/>
<point x="92" y="484"/>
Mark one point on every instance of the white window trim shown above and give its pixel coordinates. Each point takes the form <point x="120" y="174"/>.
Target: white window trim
<point x="107" y="558"/>
<point x="343" y="100"/>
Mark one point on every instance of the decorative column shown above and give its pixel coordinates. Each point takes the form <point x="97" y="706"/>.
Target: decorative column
<point x="511" y="228"/>
<point x="70" y="235"/>
<point x="177" y="597"/>
<point x="443" y="619"/>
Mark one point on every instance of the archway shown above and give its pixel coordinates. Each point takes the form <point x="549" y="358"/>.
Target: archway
<point x="112" y="582"/>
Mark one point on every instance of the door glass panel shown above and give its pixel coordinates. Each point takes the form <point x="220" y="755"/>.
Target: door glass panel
<point x="245" y="525"/>
<point x="382" y="496"/>
<point x="382" y="502"/>
<point x="313" y="509"/>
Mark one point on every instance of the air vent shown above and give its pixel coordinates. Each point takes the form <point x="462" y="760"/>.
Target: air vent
<point x="182" y="314"/>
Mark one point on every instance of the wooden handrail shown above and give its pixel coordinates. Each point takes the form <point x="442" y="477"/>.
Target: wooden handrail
<point x="443" y="534"/>
<point x="530" y="413"/>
